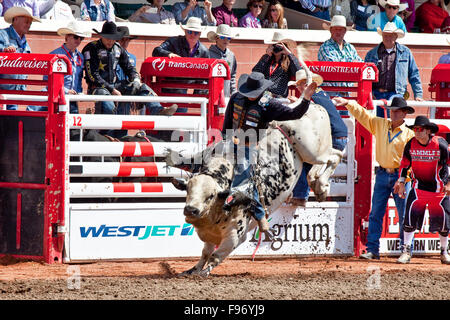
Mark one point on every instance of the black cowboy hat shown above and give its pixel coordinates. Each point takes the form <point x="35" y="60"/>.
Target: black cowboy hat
<point x="422" y="121"/>
<point x="110" y="31"/>
<point x="253" y="85"/>
<point x="399" y="103"/>
<point x="126" y="32"/>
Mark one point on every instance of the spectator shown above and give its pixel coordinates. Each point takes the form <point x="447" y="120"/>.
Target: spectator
<point x="73" y="36"/>
<point x="342" y="8"/>
<point x="339" y="132"/>
<point x="430" y="15"/>
<point x="391" y="136"/>
<point x="337" y="49"/>
<point x="154" y="13"/>
<point x="317" y="8"/>
<point x="97" y="10"/>
<point x="59" y="11"/>
<point x="275" y="17"/>
<point x="190" y="8"/>
<point x="224" y="14"/>
<point x="445" y="26"/>
<point x="426" y="156"/>
<point x="220" y="50"/>
<point x="251" y="20"/>
<point x="361" y="10"/>
<point x="396" y="66"/>
<point x="31" y="4"/>
<point x="101" y="76"/>
<point x="279" y="64"/>
<point x="409" y="14"/>
<point x="12" y="39"/>
<point x="392" y="8"/>
<point x="446" y="57"/>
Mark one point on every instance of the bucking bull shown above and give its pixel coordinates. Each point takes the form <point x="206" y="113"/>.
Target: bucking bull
<point x="306" y="139"/>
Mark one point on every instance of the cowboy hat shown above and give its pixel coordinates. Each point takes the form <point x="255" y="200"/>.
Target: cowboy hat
<point x="301" y="75"/>
<point x="399" y="103"/>
<point x="126" y="32"/>
<point x="73" y="28"/>
<point x="110" y="31"/>
<point x="422" y="121"/>
<point x="253" y="85"/>
<point x="337" y="21"/>
<point x="390" y="27"/>
<point x="278" y="37"/>
<point x="13" y="12"/>
<point x="193" y="24"/>
<point x="394" y="3"/>
<point x="222" y="30"/>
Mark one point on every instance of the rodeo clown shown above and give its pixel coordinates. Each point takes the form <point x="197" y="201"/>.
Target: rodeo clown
<point x="427" y="156"/>
<point x="249" y="111"/>
<point x="101" y="60"/>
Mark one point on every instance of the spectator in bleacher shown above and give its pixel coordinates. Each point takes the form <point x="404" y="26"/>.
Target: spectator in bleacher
<point x="154" y="13"/>
<point x="278" y="64"/>
<point x="224" y="14"/>
<point x="430" y="15"/>
<point x="409" y="14"/>
<point x="101" y="60"/>
<point x="446" y="57"/>
<point x="31" y="4"/>
<point x="445" y="26"/>
<point x="250" y="19"/>
<point x="190" y="8"/>
<point x="317" y="8"/>
<point x="12" y="39"/>
<point x="222" y="37"/>
<point x="392" y="8"/>
<point x="275" y="16"/>
<point x="341" y="8"/>
<point x="97" y="10"/>
<point x="73" y="36"/>
<point x="361" y="10"/>
<point x="59" y="11"/>
<point x="396" y="66"/>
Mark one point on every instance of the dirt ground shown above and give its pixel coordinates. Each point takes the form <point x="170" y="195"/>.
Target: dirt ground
<point x="310" y="278"/>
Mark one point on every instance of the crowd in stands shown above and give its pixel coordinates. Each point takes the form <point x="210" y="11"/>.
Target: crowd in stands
<point x="431" y="16"/>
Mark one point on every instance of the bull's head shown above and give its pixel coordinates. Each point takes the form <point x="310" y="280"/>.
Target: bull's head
<point x="203" y="189"/>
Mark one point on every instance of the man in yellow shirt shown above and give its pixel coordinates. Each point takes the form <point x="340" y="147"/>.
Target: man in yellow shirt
<point x="391" y="137"/>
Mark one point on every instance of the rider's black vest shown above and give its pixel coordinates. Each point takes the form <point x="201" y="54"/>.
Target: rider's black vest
<point x="248" y="114"/>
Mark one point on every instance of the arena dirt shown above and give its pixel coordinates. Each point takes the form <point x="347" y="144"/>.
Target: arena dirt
<point x="303" y="278"/>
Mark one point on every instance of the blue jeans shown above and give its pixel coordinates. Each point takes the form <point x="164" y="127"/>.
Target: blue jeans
<point x="243" y="173"/>
<point x="384" y="187"/>
<point x="301" y="189"/>
<point x="384" y="95"/>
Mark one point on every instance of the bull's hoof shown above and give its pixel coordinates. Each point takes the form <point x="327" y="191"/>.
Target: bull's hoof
<point x="205" y="272"/>
<point x="189" y="272"/>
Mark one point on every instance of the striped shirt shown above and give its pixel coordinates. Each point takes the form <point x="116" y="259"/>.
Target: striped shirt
<point x="311" y="4"/>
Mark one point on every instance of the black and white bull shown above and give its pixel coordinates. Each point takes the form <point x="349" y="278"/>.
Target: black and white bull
<point x="280" y="161"/>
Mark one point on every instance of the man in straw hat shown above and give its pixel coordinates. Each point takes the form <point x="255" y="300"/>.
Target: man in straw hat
<point x="396" y="66"/>
<point x="73" y="35"/>
<point x="101" y="60"/>
<point x="222" y="37"/>
<point x="248" y="112"/>
<point x="337" y="49"/>
<point x="12" y="39"/>
<point x="426" y="155"/>
<point x="392" y="8"/>
<point x="339" y="131"/>
<point x="391" y="136"/>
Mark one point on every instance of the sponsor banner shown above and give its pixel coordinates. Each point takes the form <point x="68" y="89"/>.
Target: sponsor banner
<point x="424" y="241"/>
<point x="158" y="233"/>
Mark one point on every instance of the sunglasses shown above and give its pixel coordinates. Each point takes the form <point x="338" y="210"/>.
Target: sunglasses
<point x="418" y="129"/>
<point x="274" y="9"/>
<point x="196" y="33"/>
<point x="258" y="6"/>
<point x="78" y="37"/>
<point x="391" y="7"/>
<point x="225" y="38"/>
